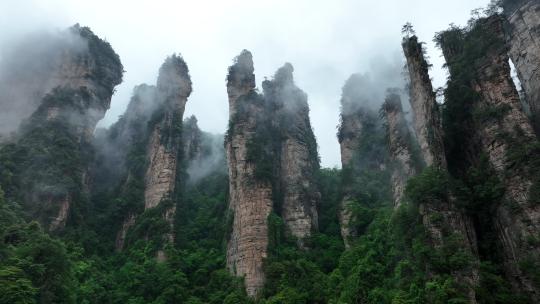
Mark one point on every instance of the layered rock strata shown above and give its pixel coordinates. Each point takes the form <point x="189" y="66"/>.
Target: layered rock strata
<point x="273" y="161"/>
<point x="503" y="136"/>
<point x="358" y="122"/>
<point x="54" y="142"/>
<point x="250" y="197"/>
<point x="441" y="218"/>
<point x="405" y="164"/>
<point x="298" y="158"/>
<point x="523" y="37"/>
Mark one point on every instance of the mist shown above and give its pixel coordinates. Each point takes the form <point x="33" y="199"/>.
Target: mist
<point x="28" y="72"/>
<point x="325" y="41"/>
<point x="212" y="159"/>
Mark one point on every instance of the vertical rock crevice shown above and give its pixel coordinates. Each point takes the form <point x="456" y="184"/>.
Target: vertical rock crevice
<point x="405" y="162"/>
<point x="442" y="219"/>
<point x="250" y="194"/>
<point x="165" y="142"/>
<point x="273" y="163"/>
<point x="297" y="154"/>
<point x="363" y="151"/>
<point x="523" y="38"/>
<point x="506" y="137"/>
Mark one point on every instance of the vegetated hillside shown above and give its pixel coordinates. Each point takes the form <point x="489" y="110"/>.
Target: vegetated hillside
<point x="439" y="209"/>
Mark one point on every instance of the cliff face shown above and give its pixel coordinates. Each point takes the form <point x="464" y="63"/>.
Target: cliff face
<point x="165" y="142"/>
<point x="192" y="139"/>
<point x="523" y="35"/>
<point x="405" y="163"/>
<point x="451" y="222"/>
<point x="363" y="148"/>
<point x="139" y="163"/>
<point x="273" y="162"/>
<point x="53" y="146"/>
<point x="250" y="196"/>
<point x="506" y="137"/>
<point x="298" y="158"/>
<point x="424" y="106"/>
<point x="349" y="140"/>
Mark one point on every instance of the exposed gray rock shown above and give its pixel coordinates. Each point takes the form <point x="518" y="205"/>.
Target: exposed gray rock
<point x="400" y="144"/>
<point x="523" y="36"/>
<point x="250" y="198"/>
<point x="298" y="158"/>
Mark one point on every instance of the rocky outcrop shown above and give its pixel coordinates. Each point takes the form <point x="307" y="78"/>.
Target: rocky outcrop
<point x="349" y="134"/>
<point x="298" y="158"/>
<point x="240" y="80"/>
<point x="505" y="136"/>
<point x="442" y="219"/>
<point x="192" y="139"/>
<point x="140" y="161"/>
<point x="165" y="148"/>
<point x="273" y="162"/>
<point x="165" y="142"/>
<point x="424" y="106"/>
<point x="121" y="235"/>
<point x="358" y="122"/>
<point x="405" y="164"/>
<point x="127" y="136"/>
<point x="204" y="154"/>
<point x="55" y="140"/>
<point x="250" y="195"/>
<point x="523" y="35"/>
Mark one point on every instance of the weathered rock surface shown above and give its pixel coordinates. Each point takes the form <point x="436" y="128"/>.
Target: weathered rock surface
<point x="427" y="127"/>
<point x="424" y="105"/>
<point x="523" y="36"/>
<point x="250" y="198"/>
<point x="358" y="121"/>
<point x="504" y="133"/>
<point x="273" y="162"/>
<point x="121" y="235"/>
<point x="400" y="144"/>
<point x="165" y="143"/>
<point x="192" y="139"/>
<point x="349" y="134"/>
<point x="70" y="93"/>
<point x="298" y="158"/>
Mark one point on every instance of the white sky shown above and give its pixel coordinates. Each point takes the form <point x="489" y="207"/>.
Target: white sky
<point x="326" y="41"/>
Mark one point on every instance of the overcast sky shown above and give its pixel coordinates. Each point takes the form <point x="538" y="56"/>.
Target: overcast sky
<point x="326" y="41"/>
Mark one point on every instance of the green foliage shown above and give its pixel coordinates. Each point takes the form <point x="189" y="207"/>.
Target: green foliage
<point x="15" y="287"/>
<point x="35" y="267"/>
<point x="525" y="155"/>
<point x="466" y="51"/>
<point x="494" y="288"/>
<point x="429" y="186"/>
<point x="109" y="69"/>
<point x="388" y="265"/>
<point x="49" y="159"/>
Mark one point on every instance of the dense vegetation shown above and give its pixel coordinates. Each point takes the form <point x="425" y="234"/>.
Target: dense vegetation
<point x="390" y="259"/>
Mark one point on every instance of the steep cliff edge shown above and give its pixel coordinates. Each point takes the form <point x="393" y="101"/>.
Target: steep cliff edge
<point x="523" y="37"/>
<point x="405" y="161"/>
<point x="273" y="163"/>
<point x="250" y="189"/>
<point x="192" y="139"/>
<point x="298" y="158"/>
<point x="52" y="150"/>
<point x="424" y="106"/>
<point x="364" y="153"/>
<point x="443" y="220"/>
<point x="165" y="142"/>
<point x="140" y="168"/>
<point x="117" y="174"/>
<point x="506" y="138"/>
